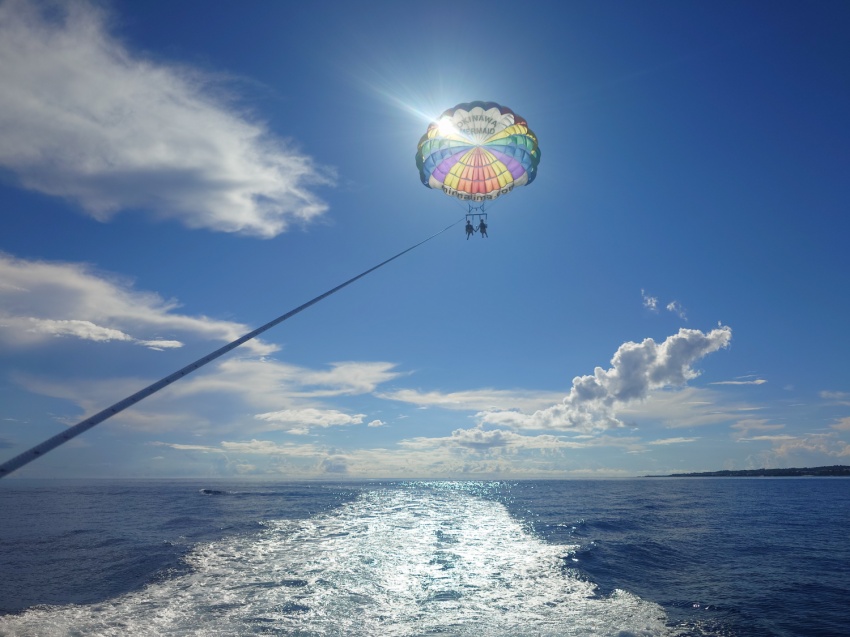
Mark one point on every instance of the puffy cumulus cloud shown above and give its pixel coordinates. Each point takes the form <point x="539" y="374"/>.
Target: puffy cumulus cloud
<point x="637" y="369"/>
<point x="40" y="300"/>
<point x="84" y="118"/>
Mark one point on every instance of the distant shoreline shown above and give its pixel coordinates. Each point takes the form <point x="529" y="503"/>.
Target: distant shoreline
<point x="835" y="470"/>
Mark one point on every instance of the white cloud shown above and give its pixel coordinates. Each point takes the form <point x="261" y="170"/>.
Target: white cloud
<point x="746" y="426"/>
<point x="672" y="441"/>
<point x="463" y="454"/>
<point x="842" y="424"/>
<point x="301" y="420"/>
<point x="183" y="447"/>
<point x="160" y="344"/>
<point x="85" y="330"/>
<point x="220" y="398"/>
<point x="684" y="407"/>
<point x="837" y="397"/>
<point x="649" y="302"/>
<point x="478" y="439"/>
<point x="677" y="309"/>
<point x="768" y="438"/>
<point x="42" y="300"/>
<point x="821" y="444"/>
<point x="267" y="383"/>
<point x="334" y="465"/>
<point x="479" y="399"/>
<point x="346" y="378"/>
<point x="754" y="381"/>
<point x="267" y="447"/>
<point x="86" y="119"/>
<point x="637" y="368"/>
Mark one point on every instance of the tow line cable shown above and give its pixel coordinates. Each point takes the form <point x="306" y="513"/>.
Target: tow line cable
<point x="51" y="443"/>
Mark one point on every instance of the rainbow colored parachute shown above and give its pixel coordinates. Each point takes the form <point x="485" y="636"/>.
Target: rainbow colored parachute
<point x="477" y="152"/>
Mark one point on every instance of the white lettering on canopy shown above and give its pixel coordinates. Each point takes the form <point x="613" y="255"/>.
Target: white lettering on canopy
<point x="478" y="124"/>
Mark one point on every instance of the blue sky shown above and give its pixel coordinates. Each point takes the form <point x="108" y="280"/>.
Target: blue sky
<point x="670" y="294"/>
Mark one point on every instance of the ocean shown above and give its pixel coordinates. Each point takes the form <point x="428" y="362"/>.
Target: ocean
<point x="682" y="557"/>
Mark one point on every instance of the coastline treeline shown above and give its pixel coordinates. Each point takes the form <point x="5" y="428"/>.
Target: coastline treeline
<point x="834" y="470"/>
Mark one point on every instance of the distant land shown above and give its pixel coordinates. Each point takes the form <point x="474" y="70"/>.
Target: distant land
<point x="835" y="470"/>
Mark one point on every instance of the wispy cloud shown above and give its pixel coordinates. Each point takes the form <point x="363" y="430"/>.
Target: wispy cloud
<point x="217" y="398"/>
<point x="842" y="424"/>
<point x="822" y="444"/>
<point x="744" y="428"/>
<point x="677" y="309"/>
<point x="43" y="300"/>
<point x="87" y="119"/>
<point x="477" y="399"/>
<point x="649" y="302"/>
<point x="88" y="331"/>
<point x="671" y="441"/>
<point x="465" y="453"/>
<point x="637" y="368"/>
<point x="300" y="421"/>
<point x="478" y="439"/>
<point x="836" y="397"/>
<point x="741" y="381"/>
<point x="266" y="384"/>
<point x="685" y="407"/>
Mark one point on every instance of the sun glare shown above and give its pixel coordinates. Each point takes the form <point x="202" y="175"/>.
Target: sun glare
<point x="446" y="127"/>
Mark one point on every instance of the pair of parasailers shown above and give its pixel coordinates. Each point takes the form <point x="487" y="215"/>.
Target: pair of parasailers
<point x="482" y="228"/>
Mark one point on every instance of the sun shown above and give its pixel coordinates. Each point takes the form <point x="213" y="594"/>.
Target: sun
<point x="446" y="127"/>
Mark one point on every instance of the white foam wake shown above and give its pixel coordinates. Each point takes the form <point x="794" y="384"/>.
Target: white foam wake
<point x="407" y="561"/>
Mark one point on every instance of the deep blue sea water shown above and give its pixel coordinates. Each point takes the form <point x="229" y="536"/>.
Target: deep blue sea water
<point x="732" y="557"/>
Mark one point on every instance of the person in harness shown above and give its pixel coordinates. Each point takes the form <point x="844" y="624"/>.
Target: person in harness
<point x="482" y="228"/>
<point x="469" y="229"/>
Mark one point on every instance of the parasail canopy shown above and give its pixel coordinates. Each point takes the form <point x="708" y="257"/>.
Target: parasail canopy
<point x="478" y="151"/>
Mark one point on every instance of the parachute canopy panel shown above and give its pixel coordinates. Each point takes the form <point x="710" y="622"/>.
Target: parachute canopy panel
<point x="477" y="152"/>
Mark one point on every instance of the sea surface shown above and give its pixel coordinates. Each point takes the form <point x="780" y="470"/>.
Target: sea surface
<point x="744" y="557"/>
